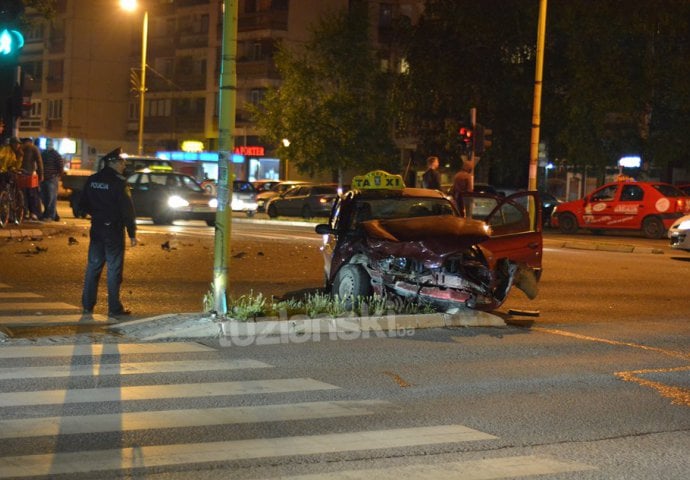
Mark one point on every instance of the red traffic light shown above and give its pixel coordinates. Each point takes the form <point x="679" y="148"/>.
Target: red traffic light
<point x="466" y="134"/>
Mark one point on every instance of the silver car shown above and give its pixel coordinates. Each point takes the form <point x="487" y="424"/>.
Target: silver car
<point x="679" y="233"/>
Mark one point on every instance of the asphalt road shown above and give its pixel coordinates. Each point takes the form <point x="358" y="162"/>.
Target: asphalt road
<point x="596" y="386"/>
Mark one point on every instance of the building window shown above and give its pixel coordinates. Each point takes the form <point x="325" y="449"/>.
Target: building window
<point x="250" y="6"/>
<point x="385" y="15"/>
<point x="256" y="51"/>
<point x="204" y="23"/>
<point x="133" y="111"/>
<point x="54" y="109"/>
<point x="257" y="95"/>
<point x="55" y="70"/>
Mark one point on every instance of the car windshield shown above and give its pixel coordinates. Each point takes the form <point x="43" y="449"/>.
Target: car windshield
<point x="243" y="187"/>
<point x="669" y="190"/>
<point x="176" y="181"/>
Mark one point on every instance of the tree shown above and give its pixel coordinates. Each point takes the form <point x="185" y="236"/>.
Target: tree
<point x="332" y="104"/>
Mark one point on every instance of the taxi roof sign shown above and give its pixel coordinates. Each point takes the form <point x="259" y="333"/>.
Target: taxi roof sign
<point x="378" y="180"/>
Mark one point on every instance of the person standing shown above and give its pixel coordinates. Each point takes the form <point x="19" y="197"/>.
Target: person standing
<point x="32" y="165"/>
<point x="463" y="182"/>
<point x="53" y="165"/>
<point x="432" y="178"/>
<point x="107" y="199"/>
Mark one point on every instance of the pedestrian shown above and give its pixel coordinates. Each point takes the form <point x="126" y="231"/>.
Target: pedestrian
<point x="53" y="165"/>
<point x="432" y="178"/>
<point x="463" y="182"/>
<point x="32" y="167"/>
<point x="107" y="199"/>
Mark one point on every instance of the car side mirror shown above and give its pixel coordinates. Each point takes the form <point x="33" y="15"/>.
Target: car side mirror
<point x="323" y="229"/>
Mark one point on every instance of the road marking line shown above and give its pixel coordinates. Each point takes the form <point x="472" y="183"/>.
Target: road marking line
<point x="100" y="349"/>
<point x="37" y="306"/>
<point x="678" y="395"/>
<point x="28" y="320"/>
<point x="98" y="369"/>
<point x="181" y="454"/>
<point x="6" y="295"/>
<point x="151" y="392"/>
<point x="670" y="353"/>
<point x="484" y="469"/>
<point x="128" y="421"/>
<point x="268" y="236"/>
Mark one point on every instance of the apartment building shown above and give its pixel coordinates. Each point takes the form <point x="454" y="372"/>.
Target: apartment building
<point x="85" y="63"/>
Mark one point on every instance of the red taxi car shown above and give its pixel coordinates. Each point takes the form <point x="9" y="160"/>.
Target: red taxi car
<point x="647" y="206"/>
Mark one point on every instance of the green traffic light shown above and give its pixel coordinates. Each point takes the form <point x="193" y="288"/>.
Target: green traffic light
<point x="10" y="42"/>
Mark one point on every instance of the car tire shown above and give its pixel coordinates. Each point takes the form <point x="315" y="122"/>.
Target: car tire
<point x="306" y="212"/>
<point x="250" y="213"/>
<point x="351" y="282"/>
<point x="162" y="217"/>
<point x="653" y="227"/>
<point x="567" y="223"/>
<point x="272" y="211"/>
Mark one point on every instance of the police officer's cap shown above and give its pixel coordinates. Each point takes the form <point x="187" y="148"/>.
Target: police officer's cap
<point x="114" y="156"/>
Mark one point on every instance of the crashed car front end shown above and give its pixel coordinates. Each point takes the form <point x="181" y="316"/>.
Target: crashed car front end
<point x="435" y="260"/>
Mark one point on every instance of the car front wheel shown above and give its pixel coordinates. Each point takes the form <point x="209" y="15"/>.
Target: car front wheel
<point x="653" y="227"/>
<point x="567" y="223"/>
<point x="351" y="282"/>
<point x="272" y="211"/>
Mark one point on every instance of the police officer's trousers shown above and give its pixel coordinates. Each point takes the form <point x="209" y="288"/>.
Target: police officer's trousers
<point x="107" y="246"/>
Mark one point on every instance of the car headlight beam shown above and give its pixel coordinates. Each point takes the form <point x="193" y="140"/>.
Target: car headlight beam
<point x="175" y="201"/>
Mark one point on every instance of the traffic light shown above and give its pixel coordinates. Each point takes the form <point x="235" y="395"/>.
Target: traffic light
<point x="11" y="39"/>
<point x="466" y="137"/>
<point x="482" y="139"/>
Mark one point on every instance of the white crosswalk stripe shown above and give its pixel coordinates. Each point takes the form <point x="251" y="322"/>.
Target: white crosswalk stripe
<point x="109" y="362"/>
<point x="10" y="295"/>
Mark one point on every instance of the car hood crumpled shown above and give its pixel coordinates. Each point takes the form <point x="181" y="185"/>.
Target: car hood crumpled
<point x="428" y="239"/>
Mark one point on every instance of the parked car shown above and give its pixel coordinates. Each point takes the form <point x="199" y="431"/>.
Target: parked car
<point x="244" y="197"/>
<point x="412" y="243"/>
<point x="305" y="201"/>
<point x="166" y="196"/>
<point x="264" y="185"/>
<point x="262" y="198"/>
<point x="627" y="205"/>
<point x="679" y="233"/>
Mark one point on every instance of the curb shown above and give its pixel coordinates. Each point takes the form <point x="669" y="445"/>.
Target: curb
<point x="21" y="233"/>
<point x="610" y="247"/>
<point x="168" y="326"/>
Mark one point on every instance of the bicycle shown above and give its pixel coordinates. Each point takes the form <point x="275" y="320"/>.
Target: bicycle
<point x="11" y="200"/>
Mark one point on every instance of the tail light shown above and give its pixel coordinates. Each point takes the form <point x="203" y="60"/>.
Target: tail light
<point x="682" y="205"/>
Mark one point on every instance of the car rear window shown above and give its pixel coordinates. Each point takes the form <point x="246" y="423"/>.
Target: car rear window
<point x="668" y="190"/>
<point x="243" y="187"/>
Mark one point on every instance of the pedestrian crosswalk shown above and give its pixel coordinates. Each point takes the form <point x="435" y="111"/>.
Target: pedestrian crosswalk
<point x="113" y="388"/>
<point x="23" y="309"/>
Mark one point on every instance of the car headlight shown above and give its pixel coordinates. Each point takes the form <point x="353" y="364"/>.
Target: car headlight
<point x="213" y="203"/>
<point x="684" y="225"/>
<point x="176" y="201"/>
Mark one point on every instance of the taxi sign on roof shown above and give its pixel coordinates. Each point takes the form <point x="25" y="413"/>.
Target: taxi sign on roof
<point x="378" y="180"/>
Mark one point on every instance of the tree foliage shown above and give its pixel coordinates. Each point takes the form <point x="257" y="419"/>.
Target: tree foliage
<point x="614" y="79"/>
<point x="332" y="104"/>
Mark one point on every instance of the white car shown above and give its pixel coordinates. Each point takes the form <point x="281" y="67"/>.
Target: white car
<point x="679" y="233"/>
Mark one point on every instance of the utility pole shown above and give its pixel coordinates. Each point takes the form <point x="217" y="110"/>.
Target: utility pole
<point x="226" y="127"/>
<point x="536" y="110"/>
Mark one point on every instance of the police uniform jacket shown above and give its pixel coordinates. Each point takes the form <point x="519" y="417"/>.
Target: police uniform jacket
<point x="107" y="199"/>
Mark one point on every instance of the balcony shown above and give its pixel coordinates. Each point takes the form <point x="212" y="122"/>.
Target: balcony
<point x="270" y="20"/>
<point x="257" y="69"/>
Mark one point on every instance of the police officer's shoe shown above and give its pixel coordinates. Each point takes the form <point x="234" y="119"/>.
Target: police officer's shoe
<point x="120" y="313"/>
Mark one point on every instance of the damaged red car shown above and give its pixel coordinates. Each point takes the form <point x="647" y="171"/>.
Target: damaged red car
<point x="412" y="243"/>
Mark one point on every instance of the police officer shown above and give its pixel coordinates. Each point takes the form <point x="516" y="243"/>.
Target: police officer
<point x="107" y="199"/>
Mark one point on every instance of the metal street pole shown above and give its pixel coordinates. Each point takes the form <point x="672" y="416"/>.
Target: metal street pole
<point x="130" y="6"/>
<point x="142" y="83"/>
<point x="536" y="110"/>
<point x="226" y="126"/>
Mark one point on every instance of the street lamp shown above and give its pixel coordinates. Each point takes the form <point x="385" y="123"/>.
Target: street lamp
<point x="130" y="6"/>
